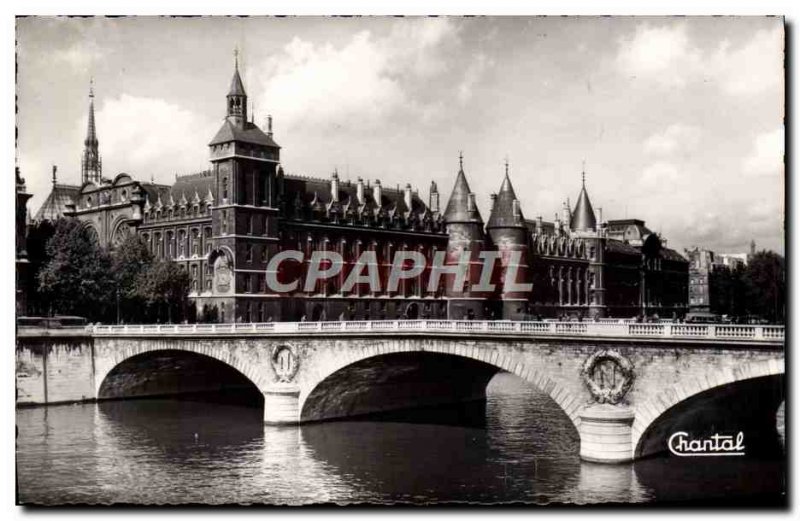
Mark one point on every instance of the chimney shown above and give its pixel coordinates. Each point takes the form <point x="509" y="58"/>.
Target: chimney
<point x="335" y="187"/>
<point x="600" y="216"/>
<point x="433" y="199"/>
<point x="566" y="213"/>
<point x="55" y="168"/>
<point x="377" y="193"/>
<point x="269" y="125"/>
<point x="492" y="201"/>
<point x="539" y="225"/>
<point x="407" y="196"/>
<point x="360" y="191"/>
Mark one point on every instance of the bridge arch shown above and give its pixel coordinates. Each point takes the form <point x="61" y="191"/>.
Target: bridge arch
<point x="481" y="359"/>
<point x="653" y="411"/>
<point x="115" y="359"/>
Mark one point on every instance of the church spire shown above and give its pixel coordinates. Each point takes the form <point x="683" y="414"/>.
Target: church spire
<point x="237" y="97"/>
<point x="91" y="166"/>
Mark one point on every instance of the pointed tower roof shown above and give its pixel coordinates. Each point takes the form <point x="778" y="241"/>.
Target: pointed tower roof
<point x="91" y="131"/>
<point x="583" y="217"/>
<point x="460" y="206"/>
<point x="503" y="214"/>
<point x="237" y="87"/>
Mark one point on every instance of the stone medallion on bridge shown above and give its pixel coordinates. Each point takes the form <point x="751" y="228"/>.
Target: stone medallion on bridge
<point x="285" y="363"/>
<point x="608" y="375"/>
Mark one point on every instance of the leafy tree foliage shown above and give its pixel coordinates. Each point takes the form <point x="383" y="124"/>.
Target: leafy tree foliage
<point x="164" y="287"/>
<point x="130" y="261"/>
<point x="727" y="291"/>
<point x="759" y="289"/>
<point x="765" y="282"/>
<point x="36" y="245"/>
<point x="77" y="278"/>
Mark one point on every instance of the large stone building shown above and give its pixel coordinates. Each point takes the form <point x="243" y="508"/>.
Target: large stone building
<point x="224" y="224"/>
<point x="703" y="266"/>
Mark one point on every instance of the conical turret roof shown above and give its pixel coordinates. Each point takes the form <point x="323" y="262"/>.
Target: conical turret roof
<point x="503" y="214"/>
<point x="237" y="87"/>
<point x="459" y="206"/>
<point x="583" y="217"/>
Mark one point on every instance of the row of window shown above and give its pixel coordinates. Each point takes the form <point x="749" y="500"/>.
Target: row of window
<point x="179" y="244"/>
<point x="196" y="210"/>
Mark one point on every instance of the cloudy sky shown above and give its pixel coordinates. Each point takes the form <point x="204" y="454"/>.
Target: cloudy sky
<point x="679" y="120"/>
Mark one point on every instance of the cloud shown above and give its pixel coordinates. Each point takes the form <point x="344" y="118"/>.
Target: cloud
<point x="80" y="55"/>
<point x="662" y="52"/>
<point x="659" y="175"/>
<point x="474" y="72"/>
<point x="665" y="55"/>
<point x="766" y="158"/>
<point x="367" y="81"/>
<point x="754" y="67"/>
<point x="675" y="138"/>
<point x="148" y="136"/>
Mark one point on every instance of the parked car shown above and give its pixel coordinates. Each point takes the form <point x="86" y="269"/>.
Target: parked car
<point x="702" y="318"/>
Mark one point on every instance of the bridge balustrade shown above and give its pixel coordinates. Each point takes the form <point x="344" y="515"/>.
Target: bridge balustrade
<point x="646" y="329"/>
<point x="773" y="332"/>
<point x="602" y="328"/>
<point x="570" y="327"/>
<point x="689" y="330"/>
<point x="735" y="331"/>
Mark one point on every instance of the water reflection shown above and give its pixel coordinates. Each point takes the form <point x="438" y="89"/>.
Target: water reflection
<point x="516" y="447"/>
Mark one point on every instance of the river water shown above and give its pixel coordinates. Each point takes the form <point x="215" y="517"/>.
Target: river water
<point x="521" y="448"/>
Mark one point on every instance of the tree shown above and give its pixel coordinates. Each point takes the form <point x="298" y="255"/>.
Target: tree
<point x="36" y="246"/>
<point x="164" y="287"/>
<point x="726" y="288"/>
<point x="77" y="277"/>
<point x="765" y="283"/>
<point x="130" y="260"/>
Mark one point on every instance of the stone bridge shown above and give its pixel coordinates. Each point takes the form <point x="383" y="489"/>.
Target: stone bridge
<point x="624" y="386"/>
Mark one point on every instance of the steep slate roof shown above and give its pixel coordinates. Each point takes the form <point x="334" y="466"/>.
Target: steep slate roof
<point x="311" y="188"/>
<point x="628" y="230"/>
<point x="153" y="190"/>
<point x="583" y="216"/>
<point x="187" y="185"/>
<point x="502" y="214"/>
<point x="54" y="206"/>
<point x="237" y="87"/>
<point x="672" y="255"/>
<point x="458" y="204"/>
<point x="249" y="134"/>
<point x="615" y="246"/>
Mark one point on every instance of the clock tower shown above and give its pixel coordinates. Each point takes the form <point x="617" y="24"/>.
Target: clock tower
<point x="245" y="165"/>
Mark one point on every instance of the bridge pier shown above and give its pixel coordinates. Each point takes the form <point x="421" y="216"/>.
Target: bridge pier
<point x="282" y="404"/>
<point x="606" y="434"/>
